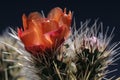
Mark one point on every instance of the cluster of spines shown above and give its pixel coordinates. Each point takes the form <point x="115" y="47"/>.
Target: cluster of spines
<point x="84" y="56"/>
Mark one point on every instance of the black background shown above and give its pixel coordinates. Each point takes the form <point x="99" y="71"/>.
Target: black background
<point x="105" y="11"/>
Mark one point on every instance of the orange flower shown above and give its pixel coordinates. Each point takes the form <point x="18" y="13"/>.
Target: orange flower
<point x="41" y="33"/>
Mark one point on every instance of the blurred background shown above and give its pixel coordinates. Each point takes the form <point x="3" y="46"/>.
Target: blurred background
<point x="107" y="12"/>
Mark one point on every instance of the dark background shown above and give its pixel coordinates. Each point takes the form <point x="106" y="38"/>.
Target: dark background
<point x="105" y="11"/>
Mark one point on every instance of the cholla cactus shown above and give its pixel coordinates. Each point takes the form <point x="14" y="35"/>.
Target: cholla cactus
<point x="60" y="53"/>
<point x="90" y="51"/>
<point x="9" y="58"/>
<point x="93" y="51"/>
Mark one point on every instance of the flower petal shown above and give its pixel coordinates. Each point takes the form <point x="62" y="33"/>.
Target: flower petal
<point x="49" y="25"/>
<point x="34" y="36"/>
<point x="55" y="14"/>
<point x="35" y="16"/>
<point x="19" y="31"/>
<point x="66" y="19"/>
<point x="56" y="37"/>
<point x="25" y="24"/>
<point x="67" y="31"/>
<point x="30" y="37"/>
<point x="34" y="22"/>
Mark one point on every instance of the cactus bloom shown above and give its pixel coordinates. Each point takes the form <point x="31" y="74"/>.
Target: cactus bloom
<point x="40" y="33"/>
